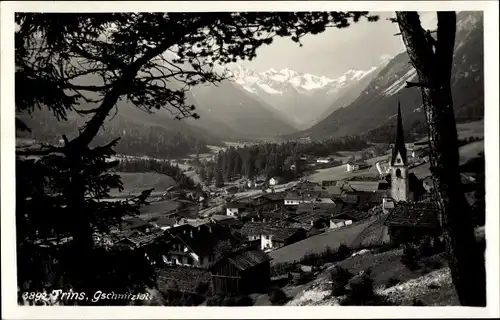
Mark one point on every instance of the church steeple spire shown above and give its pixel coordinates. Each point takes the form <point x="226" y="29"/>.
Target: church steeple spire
<point x="399" y="146"/>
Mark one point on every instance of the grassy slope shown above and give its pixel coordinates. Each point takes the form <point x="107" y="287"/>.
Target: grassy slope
<point x="135" y="182"/>
<point x="319" y="243"/>
<point x="467" y="152"/>
<point x="386" y="265"/>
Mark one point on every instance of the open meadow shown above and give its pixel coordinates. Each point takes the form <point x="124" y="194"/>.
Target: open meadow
<point x="319" y="243"/>
<point x="136" y="182"/>
<point x="467" y="152"/>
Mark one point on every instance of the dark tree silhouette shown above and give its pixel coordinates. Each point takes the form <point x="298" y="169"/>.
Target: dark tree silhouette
<point x="87" y="63"/>
<point x="433" y="60"/>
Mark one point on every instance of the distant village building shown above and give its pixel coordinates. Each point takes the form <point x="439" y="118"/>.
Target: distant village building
<point x="428" y="183"/>
<point x="339" y="223"/>
<point x="235" y="208"/>
<point x="387" y="205"/>
<point x="294" y="198"/>
<point x="231" y="190"/>
<point x="274" y="238"/>
<point x="324" y="160"/>
<point x="329" y="183"/>
<point x="353" y="166"/>
<point x="137" y="224"/>
<point x="271" y="235"/>
<point x="251" y="184"/>
<point x="274" y="181"/>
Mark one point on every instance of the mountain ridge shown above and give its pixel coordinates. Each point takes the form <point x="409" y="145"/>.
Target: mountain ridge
<point x="378" y="101"/>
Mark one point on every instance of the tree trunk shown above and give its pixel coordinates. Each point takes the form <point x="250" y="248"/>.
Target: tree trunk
<point x="432" y="60"/>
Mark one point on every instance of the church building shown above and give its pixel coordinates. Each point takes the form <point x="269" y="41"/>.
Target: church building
<point x="400" y="186"/>
<point x="405" y="186"/>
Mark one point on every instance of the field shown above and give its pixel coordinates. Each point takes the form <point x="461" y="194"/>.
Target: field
<point x="317" y="244"/>
<point x="339" y="173"/>
<point x="136" y="182"/>
<point x="467" y="152"/>
<point x="468" y="129"/>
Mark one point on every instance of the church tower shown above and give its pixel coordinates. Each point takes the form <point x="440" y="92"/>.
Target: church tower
<point x="400" y="189"/>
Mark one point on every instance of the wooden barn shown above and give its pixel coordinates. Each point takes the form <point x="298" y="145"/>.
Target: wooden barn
<point x="243" y="271"/>
<point x="411" y="221"/>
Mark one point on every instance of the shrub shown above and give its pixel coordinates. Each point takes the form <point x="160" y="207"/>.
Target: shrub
<point x="417" y="302"/>
<point x="360" y="290"/>
<point x="340" y="278"/>
<point x="229" y="301"/>
<point x="438" y="245"/>
<point x="432" y="263"/>
<point x="244" y="301"/>
<point x="410" y="257"/>
<point x="304" y="278"/>
<point x="277" y="296"/>
<point x="215" y="300"/>
<point x="392" y="282"/>
<point x="343" y="251"/>
<point x="202" y="288"/>
<point x="425" y="248"/>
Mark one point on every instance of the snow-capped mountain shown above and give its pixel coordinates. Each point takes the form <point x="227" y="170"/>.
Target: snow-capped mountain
<point x="303" y="97"/>
<point x="377" y="102"/>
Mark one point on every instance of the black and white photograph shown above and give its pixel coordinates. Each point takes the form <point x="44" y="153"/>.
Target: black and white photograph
<point x="208" y="155"/>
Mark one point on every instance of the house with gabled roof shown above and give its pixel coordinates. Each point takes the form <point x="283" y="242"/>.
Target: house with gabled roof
<point x="136" y="223"/>
<point x="295" y="198"/>
<point x="409" y="221"/>
<point x="242" y="271"/>
<point x="235" y="209"/>
<point x="195" y="245"/>
<point x="273" y="235"/>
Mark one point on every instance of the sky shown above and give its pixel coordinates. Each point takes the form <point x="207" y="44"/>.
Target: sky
<point x="335" y="51"/>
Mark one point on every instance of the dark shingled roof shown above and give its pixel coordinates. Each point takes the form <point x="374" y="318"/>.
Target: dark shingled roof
<point x="414" y="214"/>
<point x="204" y="239"/>
<point x="334" y="190"/>
<point x="182" y="279"/>
<point x="138" y="239"/>
<point x="352" y="214"/>
<point x="133" y="223"/>
<point x="399" y="146"/>
<point x="244" y="258"/>
<point x="236" y="205"/>
<point x="369" y="186"/>
<point x="330" y="183"/>
<point x="278" y="231"/>
<point x="274" y="196"/>
<point x="318" y="208"/>
<point x="307" y="217"/>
